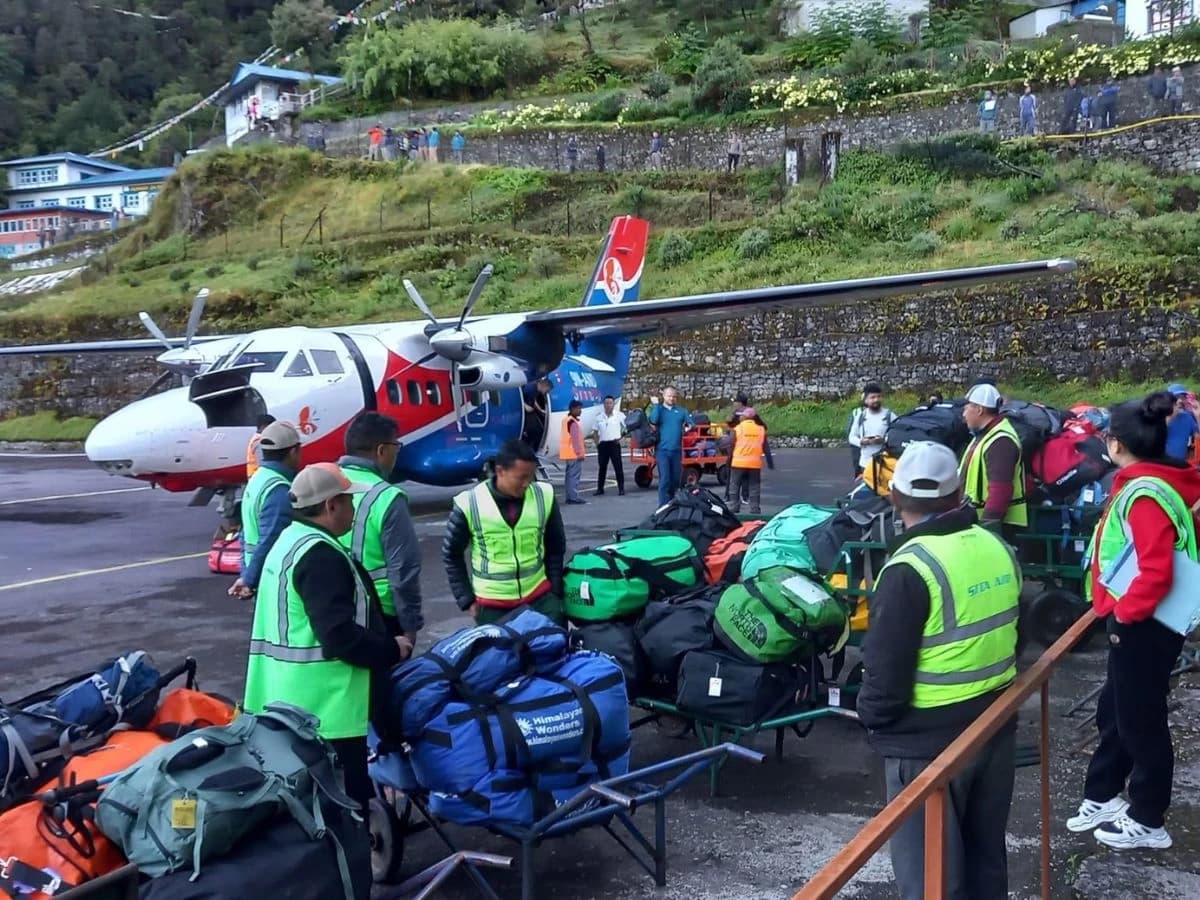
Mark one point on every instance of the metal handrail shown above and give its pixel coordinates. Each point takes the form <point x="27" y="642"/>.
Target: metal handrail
<point x="931" y="787"/>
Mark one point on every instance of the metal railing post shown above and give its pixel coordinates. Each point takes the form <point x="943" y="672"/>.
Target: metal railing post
<point x="1044" y="742"/>
<point x="935" y="845"/>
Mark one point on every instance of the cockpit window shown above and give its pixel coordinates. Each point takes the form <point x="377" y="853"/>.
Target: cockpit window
<point x="327" y="362"/>
<point x="267" y="361"/>
<point x="299" y="367"/>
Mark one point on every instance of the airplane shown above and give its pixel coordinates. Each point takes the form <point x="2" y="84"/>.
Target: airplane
<point x="455" y="386"/>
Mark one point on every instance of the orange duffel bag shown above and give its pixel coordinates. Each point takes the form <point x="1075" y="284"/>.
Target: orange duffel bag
<point x="185" y="710"/>
<point x="723" y="561"/>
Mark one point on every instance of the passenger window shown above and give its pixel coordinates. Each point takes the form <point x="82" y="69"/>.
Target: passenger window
<point x="434" y="390"/>
<point x="393" y="392"/>
<point x="327" y="362"/>
<point x="299" y="367"/>
<point x="414" y="393"/>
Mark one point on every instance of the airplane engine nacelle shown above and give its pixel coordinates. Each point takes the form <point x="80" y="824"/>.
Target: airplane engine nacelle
<point x="496" y="373"/>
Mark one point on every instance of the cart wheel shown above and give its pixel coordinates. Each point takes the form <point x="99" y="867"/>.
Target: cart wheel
<point x="692" y="475"/>
<point x="643" y="477"/>
<point x="723" y="474"/>
<point x="1052" y="613"/>
<point x="387" y="841"/>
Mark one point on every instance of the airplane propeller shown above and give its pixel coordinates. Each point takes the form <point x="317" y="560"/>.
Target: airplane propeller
<point x="178" y="360"/>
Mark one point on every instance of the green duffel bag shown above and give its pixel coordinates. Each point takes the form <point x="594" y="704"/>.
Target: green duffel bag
<point x="782" y="541"/>
<point x="618" y="580"/>
<point x="780" y="615"/>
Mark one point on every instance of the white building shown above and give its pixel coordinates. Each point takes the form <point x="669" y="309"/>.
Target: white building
<point x="53" y="196"/>
<point x="1034" y="24"/>
<point x="263" y="93"/>
<point x="1154" y="18"/>
<point x="803" y="15"/>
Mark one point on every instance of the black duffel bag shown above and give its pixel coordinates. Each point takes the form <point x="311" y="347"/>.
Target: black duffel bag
<point x="615" y="638"/>
<point x="869" y="518"/>
<point x="941" y="423"/>
<point x="671" y="628"/>
<point x="696" y="513"/>
<point x="724" y="688"/>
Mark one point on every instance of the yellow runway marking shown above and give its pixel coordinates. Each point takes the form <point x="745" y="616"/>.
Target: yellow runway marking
<point x="73" y="496"/>
<point x="104" y="571"/>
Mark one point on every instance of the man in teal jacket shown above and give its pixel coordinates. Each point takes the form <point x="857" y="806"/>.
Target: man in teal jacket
<point x="671" y="421"/>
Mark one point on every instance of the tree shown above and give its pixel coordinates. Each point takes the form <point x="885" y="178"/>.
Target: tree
<point x="297" y="24"/>
<point x="657" y="85"/>
<point x="723" y="75"/>
<point x="577" y="6"/>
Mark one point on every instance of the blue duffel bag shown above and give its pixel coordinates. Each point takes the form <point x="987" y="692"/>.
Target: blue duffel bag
<point x="39" y="732"/>
<point x="469" y="663"/>
<point x="572" y="715"/>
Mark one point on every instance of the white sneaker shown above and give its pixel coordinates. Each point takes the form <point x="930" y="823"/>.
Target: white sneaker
<point x="1092" y="813"/>
<point x="1124" y="833"/>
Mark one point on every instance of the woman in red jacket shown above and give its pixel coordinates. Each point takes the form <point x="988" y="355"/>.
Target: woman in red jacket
<point x="1152" y="506"/>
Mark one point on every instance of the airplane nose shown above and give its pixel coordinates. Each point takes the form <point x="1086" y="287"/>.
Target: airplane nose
<point x="107" y="446"/>
<point x="149" y="436"/>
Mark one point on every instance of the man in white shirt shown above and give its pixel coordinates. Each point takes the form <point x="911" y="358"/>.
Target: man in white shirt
<point x="868" y="425"/>
<point x="610" y="427"/>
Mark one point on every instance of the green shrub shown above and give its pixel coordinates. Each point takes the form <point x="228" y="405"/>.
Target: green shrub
<point x="753" y="243"/>
<point x="351" y="272"/>
<point x="680" y="52"/>
<point x="657" y="85"/>
<point x="185" y="287"/>
<point x="636" y="199"/>
<point x="605" y="108"/>
<point x="874" y="166"/>
<point x="133" y="281"/>
<point x="674" y="250"/>
<point x="254" y="262"/>
<point x="990" y="210"/>
<point x="213" y="271"/>
<point x="962" y="227"/>
<point x="173" y="249"/>
<point x="303" y="267"/>
<point x="1011" y="229"/>
<point x="544" y="262"/>
<point x="723" y="71"/>
<point x="179" y="273"/>
<point x="584" y="75"/>
<point x="924" y="243"/>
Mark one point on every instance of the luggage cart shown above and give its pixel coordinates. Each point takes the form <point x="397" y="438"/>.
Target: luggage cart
<point x="399" y="811"/>
<point x="695" y="468"/>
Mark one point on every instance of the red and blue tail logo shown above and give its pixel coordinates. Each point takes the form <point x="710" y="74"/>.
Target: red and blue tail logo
<point x="618" y="274"/>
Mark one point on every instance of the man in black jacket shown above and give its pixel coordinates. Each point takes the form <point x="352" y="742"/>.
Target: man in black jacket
<point x="940" y="649"/>
<point x="1072" y="98"/>
<point x="512" y="529"/>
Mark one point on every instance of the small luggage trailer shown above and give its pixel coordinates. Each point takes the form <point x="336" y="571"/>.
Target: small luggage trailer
<point x="398" y="812"/>
<point x="695" y="467"/>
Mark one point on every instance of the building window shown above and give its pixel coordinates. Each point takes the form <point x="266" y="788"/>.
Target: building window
<point x="43" y="175"/>
<point x="25" y="204"/>
<point x="129" y="200"/>
<point x="77" y="202"/>
<point x="50" y="201"/>
<point x="1167" y="16"/>
<point x="104" y="202"/>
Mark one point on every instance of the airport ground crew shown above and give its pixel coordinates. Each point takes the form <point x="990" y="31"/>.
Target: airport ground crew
<point x="940" y="649"/>
<point x="607" y="431"/>
<point x="992" y="469"/>
<point x="745" y="465"/>
<point x="572" y="451"/>
<point x="513" y="531"/>
<point x="671" y="421"/>
<point x="318" y="636"/>
<point x="266" y="510"/>
<point x="1153" y="507"/>
<point x="383" y="538"/>
<point x="254" y="449"/>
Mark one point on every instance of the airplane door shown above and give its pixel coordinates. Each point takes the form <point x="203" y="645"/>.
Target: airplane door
<point x="479" y="403"/>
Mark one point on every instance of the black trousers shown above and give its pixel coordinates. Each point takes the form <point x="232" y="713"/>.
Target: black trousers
<point x="1131" y="714"/>
<point x="606" y="451"/>
<point x="352" y="754"/>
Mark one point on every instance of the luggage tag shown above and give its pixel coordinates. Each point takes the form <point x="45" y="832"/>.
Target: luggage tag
<point x="835" y="696"/>
<point x="183" y="814"/>
<point x="585" y="592"/>
<point x="714" y="683"/>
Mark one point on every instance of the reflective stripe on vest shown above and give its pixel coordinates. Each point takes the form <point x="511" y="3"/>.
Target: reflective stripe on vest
<point x="748" y="446"/>
<point x="365" y="539"/>
<point x="507" y="563"/>
<point x="968" y="647"/>
<point x="973" y="471"/>
<point x="286" y="660"/>
<point x="257" y="488"/>
<point x="1110" y="542"/>
<point x="566" y="449"/>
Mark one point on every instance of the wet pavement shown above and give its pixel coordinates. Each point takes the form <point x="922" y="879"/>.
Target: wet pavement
<point x="92" y="565"/>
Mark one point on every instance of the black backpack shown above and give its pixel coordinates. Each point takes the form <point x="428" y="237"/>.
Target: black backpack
<point x="670" y="629"/>
<point x="639" y="428"/>
<point x="698" y="514"/>
<point x="868" y="518"/>
<point x="941" y="423"/>
<point x="1034" y="423"/>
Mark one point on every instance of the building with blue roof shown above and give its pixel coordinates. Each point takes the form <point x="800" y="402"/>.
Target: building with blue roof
<point x="258" y="96"/>
<point x="52" y="196"/>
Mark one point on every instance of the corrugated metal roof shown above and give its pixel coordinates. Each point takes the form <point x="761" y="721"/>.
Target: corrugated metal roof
<point x="66" y="157"/>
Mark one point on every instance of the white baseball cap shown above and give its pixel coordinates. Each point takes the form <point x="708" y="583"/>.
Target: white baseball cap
<point x="926" y="470"/>
<point x="320" y="482"/>
<point x="279" y="436"/>
<point x="984" y="395"/>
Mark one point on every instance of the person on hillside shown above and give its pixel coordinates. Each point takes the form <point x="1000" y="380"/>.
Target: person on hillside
<point x="458" y="146"/>
<point x="572" y="154"/>
<point x="1183" y="424"/>
<point x="1070" y="111"/>
<point x="572" y="451"/>
<point x="1029" y="107"/>
<point x="987" y="112"/>
<point x="1153" y="507"/>
<point x="734" y="152"/>
<point x="375" y="142"/>
<point x="992" y="468"/>
<point x="1156" y="91"/>
<point x="869" y="425"/>
<point x="511" y="529"/>
<point x="601" y="157"/>
<point x="750" y="448"/>
<point x="434" y="140"/>
<point x="389" y="145"/>
<point x="1175" y="92"/>
<point x="941" y="648"/>
<point x="1106" y="103"/>
<point x="671" y="421"/>
<point x="656" y="151"/>
<point x="422" y="145"/>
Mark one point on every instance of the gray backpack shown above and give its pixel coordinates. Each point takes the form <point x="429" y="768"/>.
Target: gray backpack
<point x="197" y="797"/>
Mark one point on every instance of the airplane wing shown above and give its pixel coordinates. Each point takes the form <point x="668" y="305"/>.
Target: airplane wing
<point x="660" y="317"/>
<point x="106" y="346"/>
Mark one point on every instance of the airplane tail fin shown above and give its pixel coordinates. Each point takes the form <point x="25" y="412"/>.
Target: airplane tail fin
<point x="618" y="274"/>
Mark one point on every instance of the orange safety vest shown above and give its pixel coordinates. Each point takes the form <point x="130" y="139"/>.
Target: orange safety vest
<point x="251" y="456"/>
<point x="566" y="450"/>
<point x="748" y="446"/>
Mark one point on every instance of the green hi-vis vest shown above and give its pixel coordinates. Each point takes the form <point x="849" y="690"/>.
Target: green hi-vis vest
<point x="286" y="660"/>
<point x="974" y="474"/>
<point x="969" y="646"/>
<point x="364" y="540"/>
<point x="260" y="484"/>
<point x="1112" y="533"/>
<point x="508" y="565"/>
